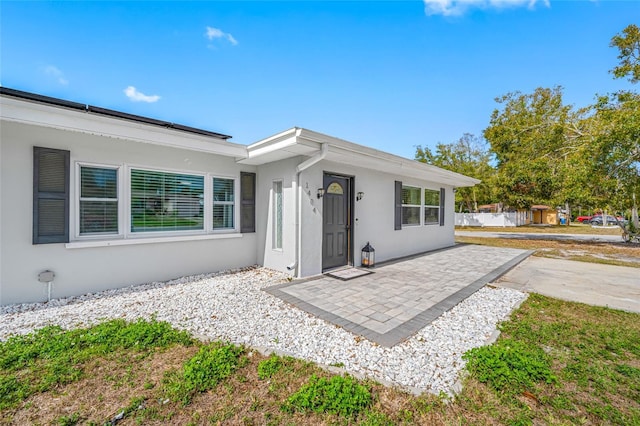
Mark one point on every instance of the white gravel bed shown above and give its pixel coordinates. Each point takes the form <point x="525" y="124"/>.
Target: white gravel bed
<point x="230" y="306"/>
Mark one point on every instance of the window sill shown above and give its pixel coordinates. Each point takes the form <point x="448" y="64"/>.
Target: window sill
<point x="148" y="240"/>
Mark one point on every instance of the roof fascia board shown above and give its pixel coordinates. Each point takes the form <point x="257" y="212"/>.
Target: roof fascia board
<point x="57" y="117"/>
<point x="405" y="168"/>
<point x="33" y="97"/>
<point x="439" y="174"/>
<point x="273" y="139"/>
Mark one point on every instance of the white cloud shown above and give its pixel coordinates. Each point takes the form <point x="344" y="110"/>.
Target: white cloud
<point x="459" y="7"/>
<point x="136" y="96"/>
<point x="56" y="73"/>
<point x="215" y="33"/>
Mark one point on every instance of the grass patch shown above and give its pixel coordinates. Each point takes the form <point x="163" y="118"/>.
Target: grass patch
<point x="212" y="364"/>
<point x="53" y="357"/>
<point x="269" y="367"/>
<point x="510" y="366"/>
<point x="340" y="395"/>
<point x="591" y="354"/>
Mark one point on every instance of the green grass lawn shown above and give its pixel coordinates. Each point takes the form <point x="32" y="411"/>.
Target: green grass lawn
<point x="555" y="362"/>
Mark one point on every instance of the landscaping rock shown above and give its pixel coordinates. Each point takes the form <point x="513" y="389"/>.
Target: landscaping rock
<point x="231" y="306"/>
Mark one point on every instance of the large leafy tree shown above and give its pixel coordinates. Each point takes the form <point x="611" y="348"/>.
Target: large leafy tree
<point x="615" y="129"/>
<point x="616" y="149"/>
<point x="470" y="156"/>
<point x="547" y="152"/>
<point x="535" y="141"/>
<point x="628" y="44"/>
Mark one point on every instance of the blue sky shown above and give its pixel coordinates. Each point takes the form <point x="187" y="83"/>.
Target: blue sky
<point x="390" y="75"/>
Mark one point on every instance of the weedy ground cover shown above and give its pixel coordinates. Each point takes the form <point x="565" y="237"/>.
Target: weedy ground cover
<point x="555" y="363"/>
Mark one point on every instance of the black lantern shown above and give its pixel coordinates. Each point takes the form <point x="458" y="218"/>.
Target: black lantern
<point x="368" y="256"/>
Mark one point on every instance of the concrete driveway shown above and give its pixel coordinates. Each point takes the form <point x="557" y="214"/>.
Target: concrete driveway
<point x="617" y="287"/>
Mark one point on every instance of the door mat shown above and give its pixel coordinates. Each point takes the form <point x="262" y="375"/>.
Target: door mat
<point x="348" y="273"/>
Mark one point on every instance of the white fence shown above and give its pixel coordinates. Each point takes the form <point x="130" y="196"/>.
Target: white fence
<point x="493" y="219"/>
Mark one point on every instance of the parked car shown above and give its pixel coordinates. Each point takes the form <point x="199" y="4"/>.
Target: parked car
<point x="584" y="219"/>
<point x="611" y="220"/>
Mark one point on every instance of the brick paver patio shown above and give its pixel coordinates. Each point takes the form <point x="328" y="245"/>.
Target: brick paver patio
<point x="401" y="296"/>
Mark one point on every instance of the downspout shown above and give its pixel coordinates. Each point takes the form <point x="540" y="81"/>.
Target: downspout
<point x="298" y="237"/>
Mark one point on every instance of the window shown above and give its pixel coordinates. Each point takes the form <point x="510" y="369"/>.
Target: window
<point x="418" y="206"/>
<point x="223" y="203"/>
<point x="397" y="206"/>
<point x="431" y="207"/>
<point x="277" y="215"/>
<point x="50" y="195"/>
<point x="410" y="205"/>
<point x="162" y="201"/>
<point x="98" y="207"/>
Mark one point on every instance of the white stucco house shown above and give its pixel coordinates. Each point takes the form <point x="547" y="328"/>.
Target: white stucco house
<point x="103" y="199"/>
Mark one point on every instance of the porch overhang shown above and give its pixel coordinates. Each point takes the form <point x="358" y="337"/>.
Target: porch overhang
<point x="302" y="142"/>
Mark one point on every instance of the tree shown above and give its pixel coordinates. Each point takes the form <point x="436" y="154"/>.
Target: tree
<point x="471" y="157"/>
<point x="616" y="148"/>
<point x="628" y="43"/>
<point x="533" y="137"/>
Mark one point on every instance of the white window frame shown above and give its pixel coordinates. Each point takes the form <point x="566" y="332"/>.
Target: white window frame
<point x="78" y="199"/>
<point x="125" y="236"/>
<point x="413" y="205"/>
<point x="277" y="225"/>
<point x="234" y="203"/>
<point x="424" y="207"/>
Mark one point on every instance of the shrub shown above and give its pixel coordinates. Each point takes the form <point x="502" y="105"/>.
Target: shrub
<point x="338" y="395"/>
<point x="212" y="364"/>
<point x="269" y="367"/>
<point x="509" y="366"/>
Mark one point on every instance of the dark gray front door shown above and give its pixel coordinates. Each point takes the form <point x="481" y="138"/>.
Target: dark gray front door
<point x="336" y="229"/>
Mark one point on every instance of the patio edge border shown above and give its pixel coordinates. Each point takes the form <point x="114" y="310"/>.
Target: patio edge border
<point x="409" y="327"/>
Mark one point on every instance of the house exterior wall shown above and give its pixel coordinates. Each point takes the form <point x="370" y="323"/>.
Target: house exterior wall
<point x="88" y="269"/>
<point x="267" y="254"/>
<point x="373" y="217"/>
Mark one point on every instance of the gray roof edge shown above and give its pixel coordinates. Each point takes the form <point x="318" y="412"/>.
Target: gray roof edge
<point x="33" y="97"/>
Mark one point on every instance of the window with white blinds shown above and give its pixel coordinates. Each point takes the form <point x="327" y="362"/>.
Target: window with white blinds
<point x="223" y="203"/>
<point x="163" y="201"/>
<point x="98" y="206"/>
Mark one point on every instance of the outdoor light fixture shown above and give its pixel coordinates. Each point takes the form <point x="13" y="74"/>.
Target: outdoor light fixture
<point x="359" y="196"/>
<point x="368" y="256"/>
<point x="320" y="193"/>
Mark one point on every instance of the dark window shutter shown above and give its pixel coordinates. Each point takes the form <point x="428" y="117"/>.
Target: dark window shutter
<point x="50" y="195"/>
<point x="441" y="206"/>
<point x="247" y="202"/>
<point x="398" y="206"/>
